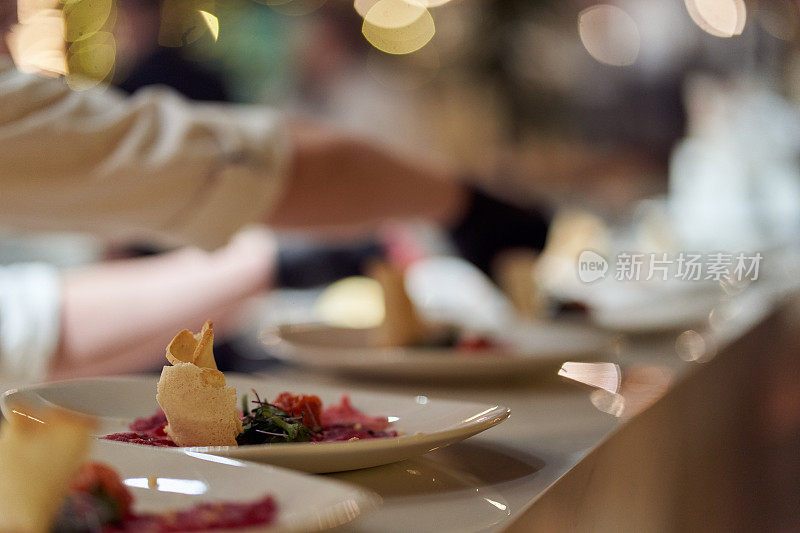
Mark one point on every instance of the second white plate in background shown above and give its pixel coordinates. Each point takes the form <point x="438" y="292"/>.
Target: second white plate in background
<point x="527" y="347"/>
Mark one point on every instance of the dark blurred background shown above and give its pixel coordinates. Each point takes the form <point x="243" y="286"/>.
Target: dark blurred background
<point x="571" y="100"/>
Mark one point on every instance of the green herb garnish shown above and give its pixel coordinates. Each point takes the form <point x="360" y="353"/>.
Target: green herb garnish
<point x="269" y="424"/>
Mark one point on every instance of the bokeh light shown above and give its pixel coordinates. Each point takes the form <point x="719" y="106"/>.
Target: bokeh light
<point x="36" y="44"/>
<point x="609" y="34"/>
<point x="433" y="3"/>
<point x="83" y="18"/>
<point x="28" y="9"/>
<point x="398" y="26"/>
<point x="212" y="22"/>
<point x="362" y="7"/>
<point x="694" y="347"/>
<point x="354" y="302"/>
<point x="183" y="22"/>
<point x="91" y="61"/>
<point x="721" y="18"/>
<point x="69" y="38"/>
<point x="608" y="402"/>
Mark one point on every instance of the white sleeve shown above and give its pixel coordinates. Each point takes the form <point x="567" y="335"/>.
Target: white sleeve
<point x="152" y="165"/>
<point x="30" y="319"/>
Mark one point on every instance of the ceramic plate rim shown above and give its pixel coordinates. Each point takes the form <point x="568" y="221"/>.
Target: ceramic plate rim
<point x="387" y="359"/>
<point x="336" y="515"/>
<point x="499" y="413"/>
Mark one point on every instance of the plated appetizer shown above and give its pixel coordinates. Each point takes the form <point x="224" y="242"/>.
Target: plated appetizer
<point x="403" y="327"/>
<point x="99" y="501"/>
<point x="41" y="491"/>
<point x="423" y="424"/>
<point x="401" y="345"/>
<point x="462" y="340"/>
<point x="199" y="409"/>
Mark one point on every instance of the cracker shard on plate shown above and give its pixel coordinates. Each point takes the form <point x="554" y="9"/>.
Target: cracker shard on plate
<point x="201" y="410"/>
<point x="401" y="325"/>
<point x="40" y="452"/>
<point x="197" y="348"/>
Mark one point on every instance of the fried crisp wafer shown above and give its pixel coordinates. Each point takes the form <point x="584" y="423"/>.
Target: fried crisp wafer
<point x="204" y="351"/>
<point x="197" y="348"/>
<point x="40" y="452"/>
<point x="200" y="409"/>
<point x="181" y="348"/>
<point x="401" y="325"/>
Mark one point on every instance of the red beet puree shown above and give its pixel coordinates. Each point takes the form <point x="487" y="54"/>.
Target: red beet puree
<point x="339" y="422"/>
<point x="344" y="414"/>
<point x="99" y="501"/>
<point x="204" y="517"/>
<point x="349" y="432"/>
<point x="148" y="430"/>
<point x="345" y="422"/>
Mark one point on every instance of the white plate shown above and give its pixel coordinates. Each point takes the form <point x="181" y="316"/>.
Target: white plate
<point x="655" y="312"/>
<point x="526" y="348"/>
<point x="644" y="307"/>
<point x="425" y="424"/>
<point x="305" y="502"/>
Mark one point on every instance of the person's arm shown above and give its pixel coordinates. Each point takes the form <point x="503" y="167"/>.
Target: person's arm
<point x="336" y="180"/>
<point x="156" y="165"/>
<point x="118" y="317"/>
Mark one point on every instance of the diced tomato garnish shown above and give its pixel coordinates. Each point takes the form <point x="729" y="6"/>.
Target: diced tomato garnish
<point x="305" y="405"/>
<point x="94" y="478"/>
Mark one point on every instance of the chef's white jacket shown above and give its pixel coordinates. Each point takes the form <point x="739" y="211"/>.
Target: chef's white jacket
<point x="151" y="166"/>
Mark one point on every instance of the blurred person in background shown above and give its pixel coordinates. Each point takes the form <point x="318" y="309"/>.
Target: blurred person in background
<point x="159" y="167"/>
<point x="144" y="62"/>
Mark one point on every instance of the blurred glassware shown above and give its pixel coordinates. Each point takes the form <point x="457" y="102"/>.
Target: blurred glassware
<point x="734" y="180"/>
